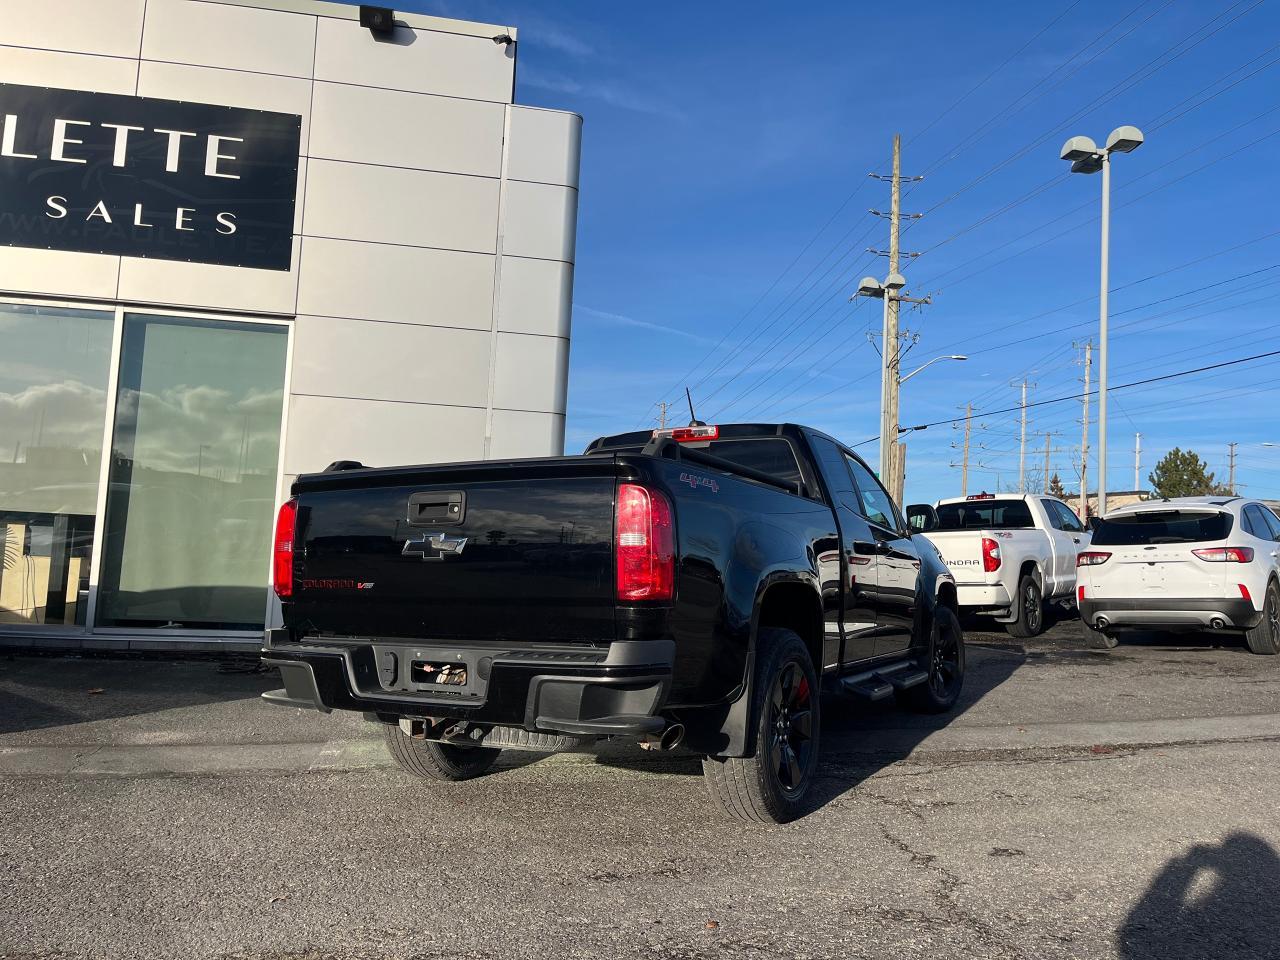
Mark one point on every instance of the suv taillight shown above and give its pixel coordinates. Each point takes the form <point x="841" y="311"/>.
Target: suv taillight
<point x="1226" y="554"/>
<point x="644" y="544"/>
<point x="1092" y="558"/>
<point x="990" y="555"/>
<point x="282" y="549"/>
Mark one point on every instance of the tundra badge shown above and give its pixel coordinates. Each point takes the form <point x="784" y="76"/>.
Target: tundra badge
<point x="433" y="546"/>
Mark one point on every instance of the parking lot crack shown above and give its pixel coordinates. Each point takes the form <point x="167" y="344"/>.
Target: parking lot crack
<point x="945" y="896"/>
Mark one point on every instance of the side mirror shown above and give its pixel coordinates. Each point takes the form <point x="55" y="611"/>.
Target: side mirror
<point x="921" y="518"/>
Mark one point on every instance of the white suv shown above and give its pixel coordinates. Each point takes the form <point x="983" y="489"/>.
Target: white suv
<point x="1190" y="563"/>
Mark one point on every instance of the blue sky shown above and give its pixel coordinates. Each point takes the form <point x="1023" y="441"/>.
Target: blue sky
<point x="723" y="217"/>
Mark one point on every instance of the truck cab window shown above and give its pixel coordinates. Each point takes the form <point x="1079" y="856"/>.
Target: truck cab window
<point x="835" y="473"/>
<point x="771" y="455"/>
<point x="877" y="505"/>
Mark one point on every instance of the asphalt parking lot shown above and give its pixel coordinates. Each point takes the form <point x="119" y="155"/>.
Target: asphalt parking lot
<point x="1081" y="804"/>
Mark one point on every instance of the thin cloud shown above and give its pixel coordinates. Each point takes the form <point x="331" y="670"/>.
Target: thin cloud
<point x="543" y="34"/>
<point x="619" y="320"/>
<point x="605" y="92"/>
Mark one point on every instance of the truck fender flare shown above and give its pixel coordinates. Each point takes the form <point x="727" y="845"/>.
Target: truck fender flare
<point x="735" y="736"/>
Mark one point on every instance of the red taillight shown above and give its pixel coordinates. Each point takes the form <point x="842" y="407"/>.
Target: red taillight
<point x="1092" y="558"/>
<point x="1244" y="592"/>
<point x="282" y="549"/>
<point x="1080" y="593"/>
<point x="644" y="544"/>
<point x="1226" y="554"/>
<point x="990" y="555"/>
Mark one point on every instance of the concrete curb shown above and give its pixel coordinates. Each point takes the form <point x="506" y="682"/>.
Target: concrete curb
<point x="348" y="755"/>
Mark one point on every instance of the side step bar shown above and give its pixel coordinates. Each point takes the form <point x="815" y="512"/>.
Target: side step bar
<point x="883" y="682"/>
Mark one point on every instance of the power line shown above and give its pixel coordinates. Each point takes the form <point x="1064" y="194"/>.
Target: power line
<point x="1090" y="203"/>
<point x="981" y="83"/>
<point x="775" y="317"/>
<point x="1005" y="344"/>
<point x="1060" y="178"/>
<point x="772" y="286"/>
<point x="1122" y="386"/>
<point x="1017" y="104"/>
<point x="1128" y="83"/>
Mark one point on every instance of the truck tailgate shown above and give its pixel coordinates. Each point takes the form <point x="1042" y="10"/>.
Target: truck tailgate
<point x="962" y="553"/>
<point x="518" y="551"/>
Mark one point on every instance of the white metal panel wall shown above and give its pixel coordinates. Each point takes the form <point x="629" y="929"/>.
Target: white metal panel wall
<point x="432" y="293"/>
<point x="535" y="289"/>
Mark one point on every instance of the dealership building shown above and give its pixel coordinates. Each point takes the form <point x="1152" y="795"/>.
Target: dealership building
<point x="239" y="240"/>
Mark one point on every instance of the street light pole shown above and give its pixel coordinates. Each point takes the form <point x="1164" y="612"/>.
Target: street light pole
<point x="1102" y="332"/>
<point x="888" y="435"/>
<point x="1085" y="157"/>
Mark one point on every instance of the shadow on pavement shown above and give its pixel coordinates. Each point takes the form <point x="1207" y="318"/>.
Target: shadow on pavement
<point x="44" y="692"/>
<point x="858" y="739"/>
<point x="1215" y="900"/>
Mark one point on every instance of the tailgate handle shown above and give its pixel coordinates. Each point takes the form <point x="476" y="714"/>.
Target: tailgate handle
<point x="437" y="508"/>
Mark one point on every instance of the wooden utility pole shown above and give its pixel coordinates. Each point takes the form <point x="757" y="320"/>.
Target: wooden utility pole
<point x="1084" y="435"/>
<point x="662" y="414"/>
<point x="964" y="466"/>
<point x="1231" y="468"/>
<point x="890" y="348"/>
<point x="892" y="457"/>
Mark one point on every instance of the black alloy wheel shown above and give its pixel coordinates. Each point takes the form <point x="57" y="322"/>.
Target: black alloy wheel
<point x="772" y="783"/>
<point x="1032" y="608"/>
<point x="945" y="664"/>
<point x="1029" y="607"/>
<point x="791" y="727"/>
<point x="942" y="659"/>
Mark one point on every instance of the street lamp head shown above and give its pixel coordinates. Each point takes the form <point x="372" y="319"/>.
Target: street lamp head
<point x="870" y="287"/>
<point x="1124" y="140"/>
<point x="895" y="281"/>
<point x="1080" y="148"/>
<point x="958" y="356"/>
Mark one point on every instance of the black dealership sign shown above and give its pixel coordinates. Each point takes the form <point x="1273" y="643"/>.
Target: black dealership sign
<point x="103" y="173"/>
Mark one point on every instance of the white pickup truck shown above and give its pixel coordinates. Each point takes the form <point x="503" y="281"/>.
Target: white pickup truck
<point x="1009" y="553"/>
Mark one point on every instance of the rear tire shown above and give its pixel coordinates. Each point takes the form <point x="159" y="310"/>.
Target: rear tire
<point x="1096" y="639"/>
<point x="1029" y="607"/>
<point x="944" y="662"/>
<point x="429" y="760"/>
<point x="772" y="785"/>
<point x="1265" y="637"/>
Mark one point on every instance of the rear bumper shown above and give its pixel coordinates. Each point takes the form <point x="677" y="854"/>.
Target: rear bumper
<point x="1164" y="613"/>
<point x="982" y="595"/>
<point x="614" y="689"/>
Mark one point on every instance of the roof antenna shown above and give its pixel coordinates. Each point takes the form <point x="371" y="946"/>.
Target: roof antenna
<point x="693" y="418"/>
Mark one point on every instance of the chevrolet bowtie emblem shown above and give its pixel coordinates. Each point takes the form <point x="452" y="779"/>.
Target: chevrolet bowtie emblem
<point x="434" y="546"/>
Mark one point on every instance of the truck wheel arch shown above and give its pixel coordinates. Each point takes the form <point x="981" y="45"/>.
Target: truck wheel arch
<point x="785" y="602"/>
<point x="794" y="605"/>
<point x="1032" y="568"/>
<point x="948" y="597"/>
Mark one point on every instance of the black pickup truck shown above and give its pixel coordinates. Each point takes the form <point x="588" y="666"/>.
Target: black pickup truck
<point x="698" y="586"/>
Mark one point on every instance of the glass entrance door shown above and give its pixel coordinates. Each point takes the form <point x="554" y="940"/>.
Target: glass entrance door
<point x="55" y="364"/>
<point x="192" y="477"/>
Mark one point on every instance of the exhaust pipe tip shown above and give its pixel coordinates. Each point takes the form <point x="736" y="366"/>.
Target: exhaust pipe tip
<point x="1217" y="623"/>
<point x="1102" y="623"/>
<point x="669" y="739"/>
